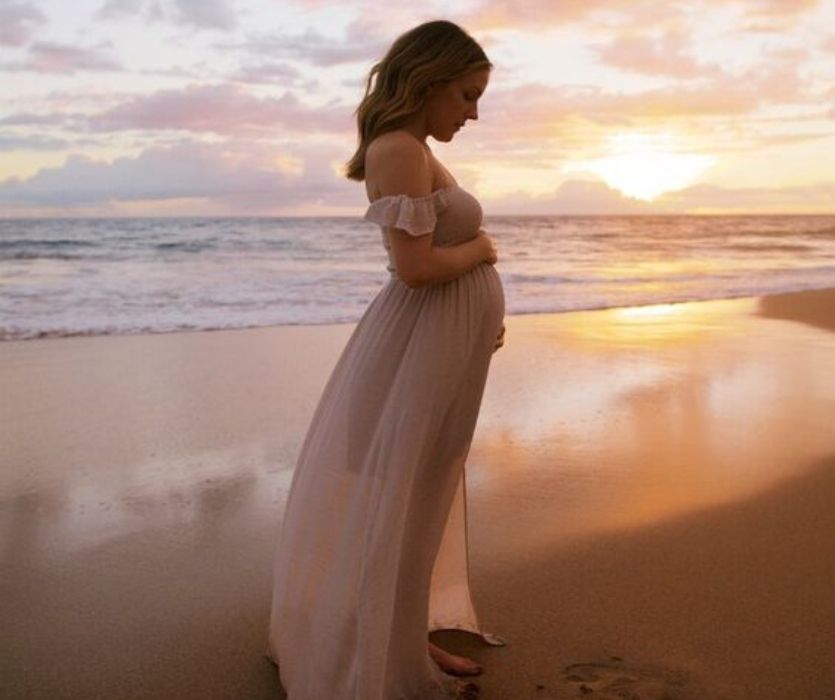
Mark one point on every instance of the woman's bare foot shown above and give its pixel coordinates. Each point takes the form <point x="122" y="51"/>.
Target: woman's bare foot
<point x="467" y="690"/>
<point x="452" y="664"/>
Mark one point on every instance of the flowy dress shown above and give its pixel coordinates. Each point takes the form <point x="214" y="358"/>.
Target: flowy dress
<point x="372" y="548"/>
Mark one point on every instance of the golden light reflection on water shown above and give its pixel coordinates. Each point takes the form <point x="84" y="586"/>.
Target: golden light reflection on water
<point x="590" y="420"/>
<point x="656" y="268"/>
<point x="653" y="325"/>
<point x="668" y="408"/>
<point x="655" y="310"/>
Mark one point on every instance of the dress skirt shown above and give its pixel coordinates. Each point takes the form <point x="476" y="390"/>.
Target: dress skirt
<point x="374" y="528"/>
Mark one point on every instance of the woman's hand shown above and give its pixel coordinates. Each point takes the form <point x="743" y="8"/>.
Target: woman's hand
<point x="489" y="247"/>
<point x="499" y="339"/>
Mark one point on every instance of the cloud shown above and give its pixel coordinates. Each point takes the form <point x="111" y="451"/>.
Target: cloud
<point x="780" y="8"/>
<point x="661" y="55"/>
<point x="31" y="143"/>
<point x="593" y="197"/>
<point x="524" y="14"/>
<point x="208" y="14"/>
<point x="246" y="178"/>
<point x="18" y="21"/>
<point x="114" y="8"/>
<point x="242" y="177"/>
<point x="536" y="110"/>
<point x="31" y="119"/>
<point x="773" y="15"/>
<point x="776" y="8"/>
<point x="572" y="197"/>
<point x="152" y="9"/>
<point x="222" y="109"/>
<point x="533" y="110"/>
<point x="820" y="197"/>
<point x="314" y="48"/>
<point x="271" y="72"/>
<point x="764" y="140"/>
<point x="635" y="13"/>
<point x="52" y="57"/>
<point x="203" y="14"/>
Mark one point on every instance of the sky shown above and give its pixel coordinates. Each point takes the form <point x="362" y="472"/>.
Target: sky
<point x="246" y="107"/>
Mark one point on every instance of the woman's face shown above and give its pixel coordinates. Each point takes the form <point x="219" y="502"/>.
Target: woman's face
<point x="449" y="105"/>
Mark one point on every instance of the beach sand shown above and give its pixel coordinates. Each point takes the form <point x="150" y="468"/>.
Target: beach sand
<point x="650" y="494"/>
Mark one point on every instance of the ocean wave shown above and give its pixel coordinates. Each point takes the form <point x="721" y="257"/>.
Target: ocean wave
<point x="46" y="243"/>
<point x="67" y="277"/>
<point x="769" y="247"/>
<point x="521" y="307"/>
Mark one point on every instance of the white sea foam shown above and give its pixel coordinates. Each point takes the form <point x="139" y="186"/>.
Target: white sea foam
<point x="63" y="277"/>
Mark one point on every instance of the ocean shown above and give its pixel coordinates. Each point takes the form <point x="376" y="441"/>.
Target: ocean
<point x="65" y="277"/>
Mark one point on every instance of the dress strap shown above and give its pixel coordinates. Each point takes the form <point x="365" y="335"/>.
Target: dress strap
<point x="415" y="215"/>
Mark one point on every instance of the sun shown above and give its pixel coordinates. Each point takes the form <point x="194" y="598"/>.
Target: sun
<point x="643" y="165"/>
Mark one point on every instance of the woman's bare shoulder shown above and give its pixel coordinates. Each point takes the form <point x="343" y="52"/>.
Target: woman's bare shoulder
<point x="396" y="143"/>
<point x="397" y="162"/>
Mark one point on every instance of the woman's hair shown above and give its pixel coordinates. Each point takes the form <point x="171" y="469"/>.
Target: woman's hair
<point x="433" y="52"/>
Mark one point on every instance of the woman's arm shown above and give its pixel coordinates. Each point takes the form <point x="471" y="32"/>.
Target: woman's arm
<point x="398" y="164"/>
<point x="447" y="263"/>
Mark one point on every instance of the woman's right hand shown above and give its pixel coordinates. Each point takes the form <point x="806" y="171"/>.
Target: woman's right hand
<point x="489" y="247"/>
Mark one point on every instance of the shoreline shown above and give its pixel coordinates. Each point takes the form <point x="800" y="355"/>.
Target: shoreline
<point x="55" y="336"/>
<point x="647" y="483"/>
<point x="487" y="215"/>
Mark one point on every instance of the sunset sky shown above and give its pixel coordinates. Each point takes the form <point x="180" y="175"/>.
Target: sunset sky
<point x="245" y="107"/>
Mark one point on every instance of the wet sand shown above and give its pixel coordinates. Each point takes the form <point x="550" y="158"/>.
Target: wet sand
<point x="650" y="505"/>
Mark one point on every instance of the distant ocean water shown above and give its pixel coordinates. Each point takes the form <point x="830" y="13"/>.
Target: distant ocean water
<point x="62" y="277"/>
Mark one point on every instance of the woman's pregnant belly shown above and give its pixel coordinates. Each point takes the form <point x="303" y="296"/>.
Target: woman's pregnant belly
<point x="487" y="279"/>
<point x="486" y="284"/>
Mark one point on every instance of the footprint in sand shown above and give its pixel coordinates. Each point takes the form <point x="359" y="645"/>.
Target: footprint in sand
<point x="617" y="680"/>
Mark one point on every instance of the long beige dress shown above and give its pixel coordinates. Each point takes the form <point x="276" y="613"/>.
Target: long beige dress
<point x="372" y="550"/>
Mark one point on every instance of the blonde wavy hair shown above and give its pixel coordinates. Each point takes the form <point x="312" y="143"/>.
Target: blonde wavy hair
<point x="433" y="52"/>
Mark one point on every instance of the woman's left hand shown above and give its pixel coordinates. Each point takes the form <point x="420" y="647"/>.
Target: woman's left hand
<point x="499" y="339"/>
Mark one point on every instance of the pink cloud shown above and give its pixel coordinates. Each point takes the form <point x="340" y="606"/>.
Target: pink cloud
<point x="777" y="8"/>
<point x="664" y="55"/>
<point x="222" y="109"/>
<point x="773" y="15"/>
<point x="489" y="15"/>
<point x="51" y="57"/>
<point x="523" y="13"/>
<point x="750" y="199"/>
<point x="783" y="139"/>
<point x="593" y="197"/>
<point x="531" y="111"/>
<point x="572" y="197"/>
<point x="242" y="176"/>
<point x="18" y="21"/>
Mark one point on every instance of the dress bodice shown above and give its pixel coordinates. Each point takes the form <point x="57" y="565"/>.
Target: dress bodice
<point x="450" y="213"/>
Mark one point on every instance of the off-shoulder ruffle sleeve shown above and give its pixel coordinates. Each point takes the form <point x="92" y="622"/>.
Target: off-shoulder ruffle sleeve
<point x="415" y="215"/>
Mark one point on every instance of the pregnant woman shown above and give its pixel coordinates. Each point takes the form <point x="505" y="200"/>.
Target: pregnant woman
<point x="372" y="551"/>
